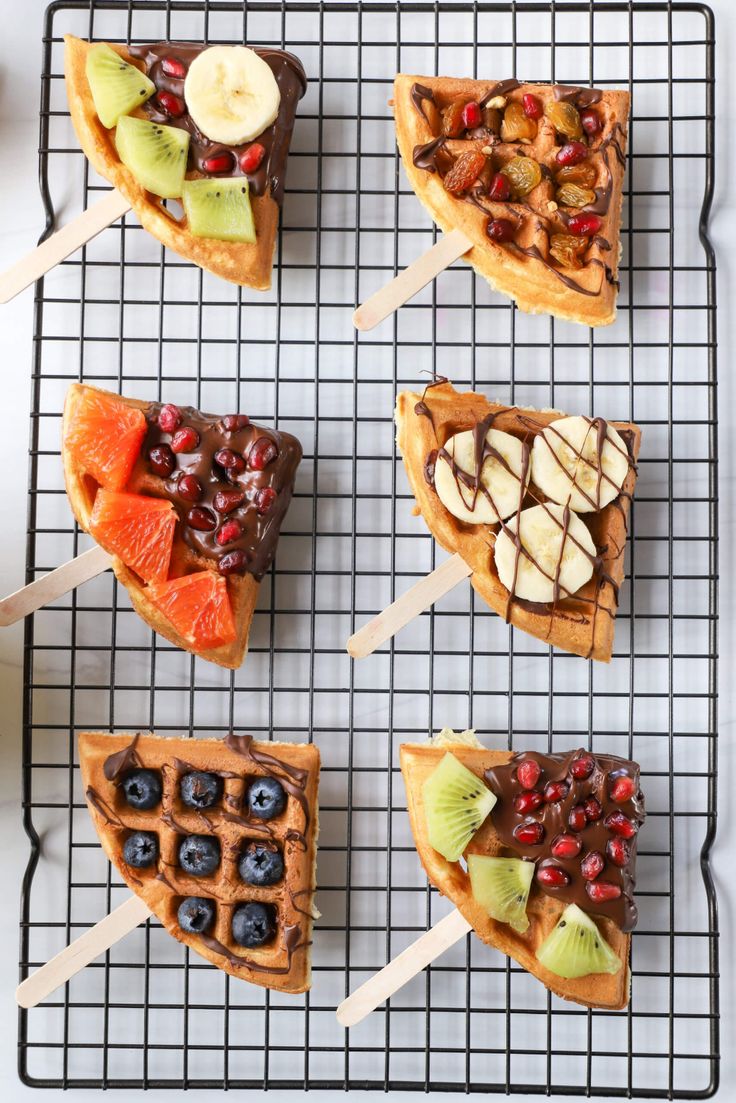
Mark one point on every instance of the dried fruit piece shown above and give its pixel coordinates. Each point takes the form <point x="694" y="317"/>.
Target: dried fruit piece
<point x="471" y="115"/>
<point x="591" y="121"/>
<point x="585" y="223"/>
<point x="532" y="106"/>
<point x="499" y="188"/>
<point x="517" y="125"/>
<point x="524" y="174"/>
<point x="565" y="118"/>
<point x="501" y="229"/>
<point x="583" y="173"/>
<point x="453" y="123"/>
<point x="464" y="172"/>
<point x="570" y="195"/>
<point x="568" y="250"/>
<point x="572" y="153"/>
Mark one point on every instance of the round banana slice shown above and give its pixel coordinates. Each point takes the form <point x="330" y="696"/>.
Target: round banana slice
<point x="499" y="493"/>
<point x="568" y="467"/>
<point x="231" y="94"/>
<point x="548" y="554"/>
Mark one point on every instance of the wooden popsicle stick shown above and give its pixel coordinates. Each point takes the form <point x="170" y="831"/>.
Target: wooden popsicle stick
<point x="402" y="968"/>
<point x="84" y="949"/>
<point x="53" y="585"/>
<point x="62" y="244"/>
<point x="406" y="285"/>
<point x="416" y="599"/>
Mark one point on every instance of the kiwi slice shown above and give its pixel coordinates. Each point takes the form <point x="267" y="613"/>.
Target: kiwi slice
<point x="220" y="209"/>
<point x="576" y="948"/>
<point x="155" y="154"/>
<point x="456" y="802"/>
<point x="117" y="87"/>
<point x="501" y="886"/>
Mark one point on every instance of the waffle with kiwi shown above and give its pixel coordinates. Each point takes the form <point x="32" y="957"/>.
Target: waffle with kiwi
<point x="535" y="502"/>
<point x="219" y="838"/>
<point x="532" y="174"/>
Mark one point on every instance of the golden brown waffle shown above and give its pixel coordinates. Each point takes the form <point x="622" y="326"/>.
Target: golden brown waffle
<point x="284" y="963"/>
<point x="537" y="283"/>
<point x="243" y="263"/>
<point x="598" y="990"/>
<point x="584" y="623"/>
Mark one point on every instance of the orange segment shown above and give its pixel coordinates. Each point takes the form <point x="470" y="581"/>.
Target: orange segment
<point x="137" y="528"/>
<point x="198" y="606"/>
<point x="104" y="436"/>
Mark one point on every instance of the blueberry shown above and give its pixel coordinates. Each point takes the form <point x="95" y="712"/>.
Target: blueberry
<point x="140" y="849"/>
<point x="266" y="798"/>
<point x="253" y="924"/>
<point x="200" y="790"/>
<point x="261" y="864"/>
<point x="196" y="914"/>
<point x="199" y="855"/>
<point x="142" y="789"/>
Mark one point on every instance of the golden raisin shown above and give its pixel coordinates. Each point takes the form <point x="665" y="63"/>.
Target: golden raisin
<point x="564" y="118"/>
<point x="523" y="175"/>
<point x="464" y="172"/>
<point x="570" y="195"/>
<point x="516" y="125"/>
<point x="568" y="250"/>
<point x="452" y="117"/>
<point x="584" y="174"/>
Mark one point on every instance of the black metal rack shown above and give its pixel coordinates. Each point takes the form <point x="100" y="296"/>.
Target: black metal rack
<point x="128" y="315"/>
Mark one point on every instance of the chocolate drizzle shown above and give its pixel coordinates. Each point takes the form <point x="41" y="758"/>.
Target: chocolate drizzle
<point x="293" y="779"/>
<point x="502" y="88"/>
<point x="291" y="940"/>
<point x="574" y="94"/>
<point x="420" y="93"/>
<point x="115" y="765"/>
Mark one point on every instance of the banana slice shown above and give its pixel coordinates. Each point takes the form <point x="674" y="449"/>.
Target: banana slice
<point x="567" y="466"/>
<point x="499" y="494"/>
<point x="531" y="573"/>
<point x="231" y="94"/>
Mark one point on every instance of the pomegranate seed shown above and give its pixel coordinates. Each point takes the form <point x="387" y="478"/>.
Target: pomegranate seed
<point x="499" y="189"/>
<point x="251" y="157"/>
<point x="618" y="851"/>
<point x="202" y="519"/>
<point x="171" y="104"/>
<point x="619" y="824"/>
<point x="532" y="106"/>
<point x="223" y="162"/>
<point x="471" y="115"/>
<point x="225" y="501"/>
<point x="552" y="877"/>
<point x="185" y="440"/>
<point x="584" y="224"/>
<point x="577" y="819"/>
<point x="531" y="833"/>
<point x="622" y="789"/>
<point x="527" y="802"/>
<point x="591" y="121"/>
<point x="173" y="68"/>
<point x="229" y="532"/>
<point x="582" y="767"/>
<point x="572" y="153"/>
<point x="189" y="488"/>
<point x="555" y="791"/>
<point x="232" y="461"/>
<point x="601" y="891"/>
<point x="592" y="864"/>
<point x="566" y="846"/>
<point x="232" y="422"/>
<point x="233" y="561"/>
<point x="262" y="453"/>
<point x="501" y="229"/>
<point x="593" y="810"/>
<point x="265" y="498"/>
<point x="162" y="460"/>
<point x="169" y="418"/>
<point x="527" y="773"/>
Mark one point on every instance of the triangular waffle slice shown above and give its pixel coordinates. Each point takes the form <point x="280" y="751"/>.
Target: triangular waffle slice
<point x="581" y="622"/>
<point x="190" y="537"/>
<point x="151" y="822"/>
<point x="241" y="262"/>
<point x="495" y="838"/>
<point x="553" y="251"/>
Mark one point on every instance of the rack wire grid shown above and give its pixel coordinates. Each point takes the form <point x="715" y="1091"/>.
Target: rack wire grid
<point x="127" y="315"/>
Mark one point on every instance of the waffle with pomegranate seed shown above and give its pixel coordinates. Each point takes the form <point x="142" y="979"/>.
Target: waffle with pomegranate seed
<point x="462" y="143"/>
<point x="495" y="838"/>
<point x="245" y="263"/>
<point x="582" y="623"/>
<point x="190" y="538"/>
<point x="283" y="961"/>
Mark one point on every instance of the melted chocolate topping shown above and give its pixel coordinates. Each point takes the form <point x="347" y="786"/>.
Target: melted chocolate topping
<point x="289" y="73"/>
<point x="293" y="779"/>
<point x="554" y="819"/>
<point x="580" y="97"/>
<point x="119" y="763"/>
<point x="419" y="93"/>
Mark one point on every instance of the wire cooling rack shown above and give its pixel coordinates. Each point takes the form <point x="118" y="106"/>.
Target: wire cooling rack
<point x="127" y="315"/>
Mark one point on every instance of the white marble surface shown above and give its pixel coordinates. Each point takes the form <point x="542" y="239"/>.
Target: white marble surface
<point x="22" y="220"/>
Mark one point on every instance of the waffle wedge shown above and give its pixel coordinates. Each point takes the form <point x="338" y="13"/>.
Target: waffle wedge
<point x="521" y="266"/>
<point x="283" y="963"/>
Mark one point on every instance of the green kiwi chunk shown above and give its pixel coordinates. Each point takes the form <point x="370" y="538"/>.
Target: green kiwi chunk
<point x="456" y="802"/>
<point x="117" y="87"/>
<point x="501" y="886"/>
<point x="155" y="154"/>
<point x="576" y="948"/>
<point x="219" y="209"/>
